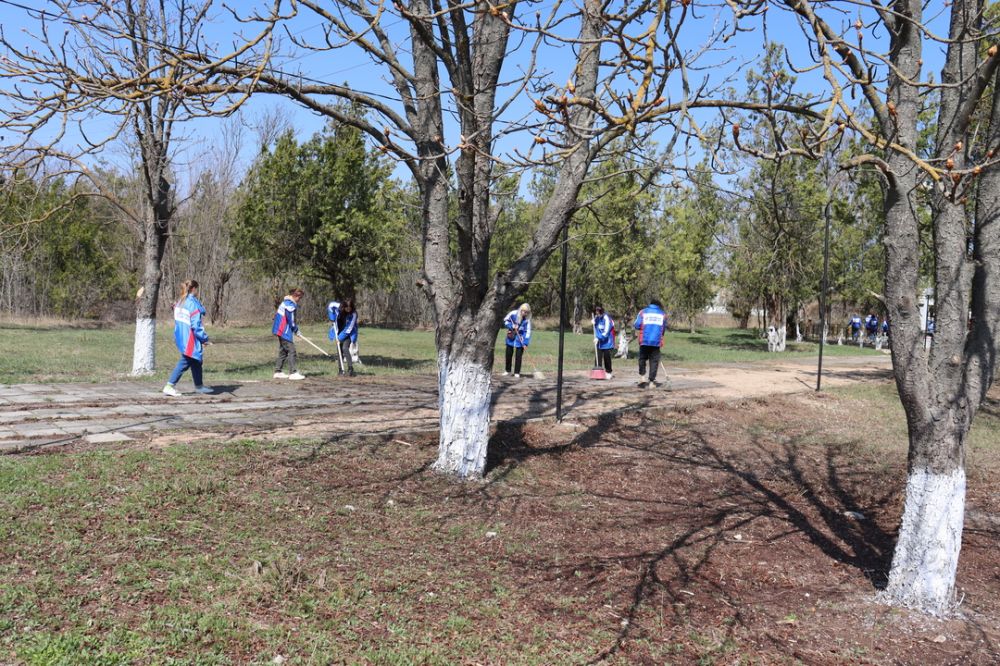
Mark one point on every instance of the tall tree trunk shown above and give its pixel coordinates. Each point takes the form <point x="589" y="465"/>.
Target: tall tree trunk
<point x="465" y="365"/>
<point x="144" y="345"/>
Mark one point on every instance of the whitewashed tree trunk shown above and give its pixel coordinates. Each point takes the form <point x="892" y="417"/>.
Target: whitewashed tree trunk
<point x="930" y="539"/>
<point x="464" y="401"/>
<point x="144" y="348"/>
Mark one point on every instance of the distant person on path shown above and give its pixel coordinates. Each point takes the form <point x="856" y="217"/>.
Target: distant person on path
<point x="604" y="337"/>
<point x="190" y="337"/>
<point x="518" y="325"/>
<point x="651" y="323"/>
<point x="347" y="336"/>
<point x="285" y="328"/>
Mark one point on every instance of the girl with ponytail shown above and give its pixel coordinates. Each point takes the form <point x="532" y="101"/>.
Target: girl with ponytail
<point x="190" y="337"/>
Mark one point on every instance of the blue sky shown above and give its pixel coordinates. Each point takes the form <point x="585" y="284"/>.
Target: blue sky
<point x="348" y="65"/>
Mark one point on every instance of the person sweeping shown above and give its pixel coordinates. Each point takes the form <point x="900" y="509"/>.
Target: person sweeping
<point x="285" y="328"/>
<point x="604" y="338"/>
<point x="190" y="337"/>
<point x="518" y="325"/>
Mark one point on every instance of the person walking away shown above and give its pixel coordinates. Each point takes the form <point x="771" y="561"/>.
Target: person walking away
<point x="651" y="322"/>
<point x="347" y="327"/>
<point x="190" y="337"/>
<point x="871" y="327"/>
<point x="855" y="325"/>
<point x="285" y="329"/>
<point x="604" y="337"/>
<point x="518" y="325"/>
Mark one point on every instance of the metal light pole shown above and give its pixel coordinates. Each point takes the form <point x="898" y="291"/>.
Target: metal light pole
<point x="562" y="321"/>
<point x="826" y="286"/>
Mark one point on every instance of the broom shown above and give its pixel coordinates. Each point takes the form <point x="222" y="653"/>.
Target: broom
<point x="598" y="371"/>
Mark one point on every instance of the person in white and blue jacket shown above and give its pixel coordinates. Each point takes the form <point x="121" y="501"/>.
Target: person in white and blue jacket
<point x="651" y="323"/>
<point x="855" y="325"/>
<point x="285" y="328"/>
<point x="347" y="333"/>
<point x="518" y="325"/>
<point x="604" y="337"/>
<point x="190" y="337"/>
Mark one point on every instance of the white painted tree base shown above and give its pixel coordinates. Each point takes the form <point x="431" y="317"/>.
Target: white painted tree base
<point x="464" y="402"/>
<point x="144" y="349"/>
<point x="930" y="539"/>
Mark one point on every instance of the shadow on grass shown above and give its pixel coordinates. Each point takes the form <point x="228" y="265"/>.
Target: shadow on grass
<point x="377" y="361"/>
<point x="747" y="341"/>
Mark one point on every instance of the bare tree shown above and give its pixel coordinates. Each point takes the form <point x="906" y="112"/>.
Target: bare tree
<point x="92" y="72"/>
<point x="879" y="56"/>
<point x="471" y="103"/>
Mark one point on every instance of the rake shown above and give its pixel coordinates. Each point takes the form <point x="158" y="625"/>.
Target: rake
<point x="315" y="346"/>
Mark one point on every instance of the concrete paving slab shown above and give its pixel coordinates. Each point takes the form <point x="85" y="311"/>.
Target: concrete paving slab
<point x="107" y="438"/>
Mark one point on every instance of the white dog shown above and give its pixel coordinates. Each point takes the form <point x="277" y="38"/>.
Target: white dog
<point x="622" y="346"/>
<point x="775" y="339"/>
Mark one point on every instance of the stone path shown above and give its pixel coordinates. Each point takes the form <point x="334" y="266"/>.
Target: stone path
<point x="34" y="416"/>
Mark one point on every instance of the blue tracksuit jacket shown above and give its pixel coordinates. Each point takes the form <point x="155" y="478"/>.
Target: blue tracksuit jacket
<point x="521" y="328"/>
<point x="189" y="333"/>
<point x="604" y="331"/>
<point x="651" y="324"/>
<point x="285" y="326"/>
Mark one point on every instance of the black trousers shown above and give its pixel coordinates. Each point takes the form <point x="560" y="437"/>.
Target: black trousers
<point x="286" y="352"/>
<point x="510" y="353"/>
<point x="651" y="354"/>
<point x="604" y="355"/>
<point x="345" y="353"/>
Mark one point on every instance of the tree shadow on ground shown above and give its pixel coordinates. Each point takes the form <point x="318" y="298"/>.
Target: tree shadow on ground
<point x="375" y="360"/>
<point x="790" y="485"/>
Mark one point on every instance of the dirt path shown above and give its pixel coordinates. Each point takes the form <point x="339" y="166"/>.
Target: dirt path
<point x="36" y="416"/>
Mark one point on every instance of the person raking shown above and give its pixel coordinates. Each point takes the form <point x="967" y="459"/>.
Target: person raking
<point x="285" y="328"/>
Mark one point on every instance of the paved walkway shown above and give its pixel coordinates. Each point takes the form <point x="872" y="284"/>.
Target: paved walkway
<point x="34" y="416"/>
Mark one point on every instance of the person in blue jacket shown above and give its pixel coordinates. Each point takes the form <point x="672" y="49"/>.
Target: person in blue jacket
<point x="651" y="323"/>
<point x="347" y="333"/>
<point x="855" y="326"/>
<point x="604" y="337"/>
<point x="871" y="327"/>
<point x="285" y="328"/>
<point x="518" y="325"/>
<point x="190" y="337"/>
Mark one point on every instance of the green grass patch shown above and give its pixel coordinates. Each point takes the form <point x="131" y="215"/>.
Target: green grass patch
<point x="50" y="353"/>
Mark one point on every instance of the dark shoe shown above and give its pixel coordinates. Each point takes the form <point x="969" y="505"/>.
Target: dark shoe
<point x="341" y="373"/>
<point x="352" y="374"/>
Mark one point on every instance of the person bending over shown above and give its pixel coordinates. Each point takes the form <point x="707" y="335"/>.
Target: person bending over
<point x="518" y="325"/>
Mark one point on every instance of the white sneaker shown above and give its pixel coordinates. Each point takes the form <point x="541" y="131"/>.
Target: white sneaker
<point x="505" y="374"/>
<point x="170" y="390"/>
<point x="296" y="376"/>
<point x="609" y="375"/>
<point x="281" y="375"/>
<point x="517" y="376"/>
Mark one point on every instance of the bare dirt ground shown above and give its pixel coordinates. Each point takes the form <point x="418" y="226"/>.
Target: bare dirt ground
<point x="738" y="518"/>
<point x="34" y="415"/>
